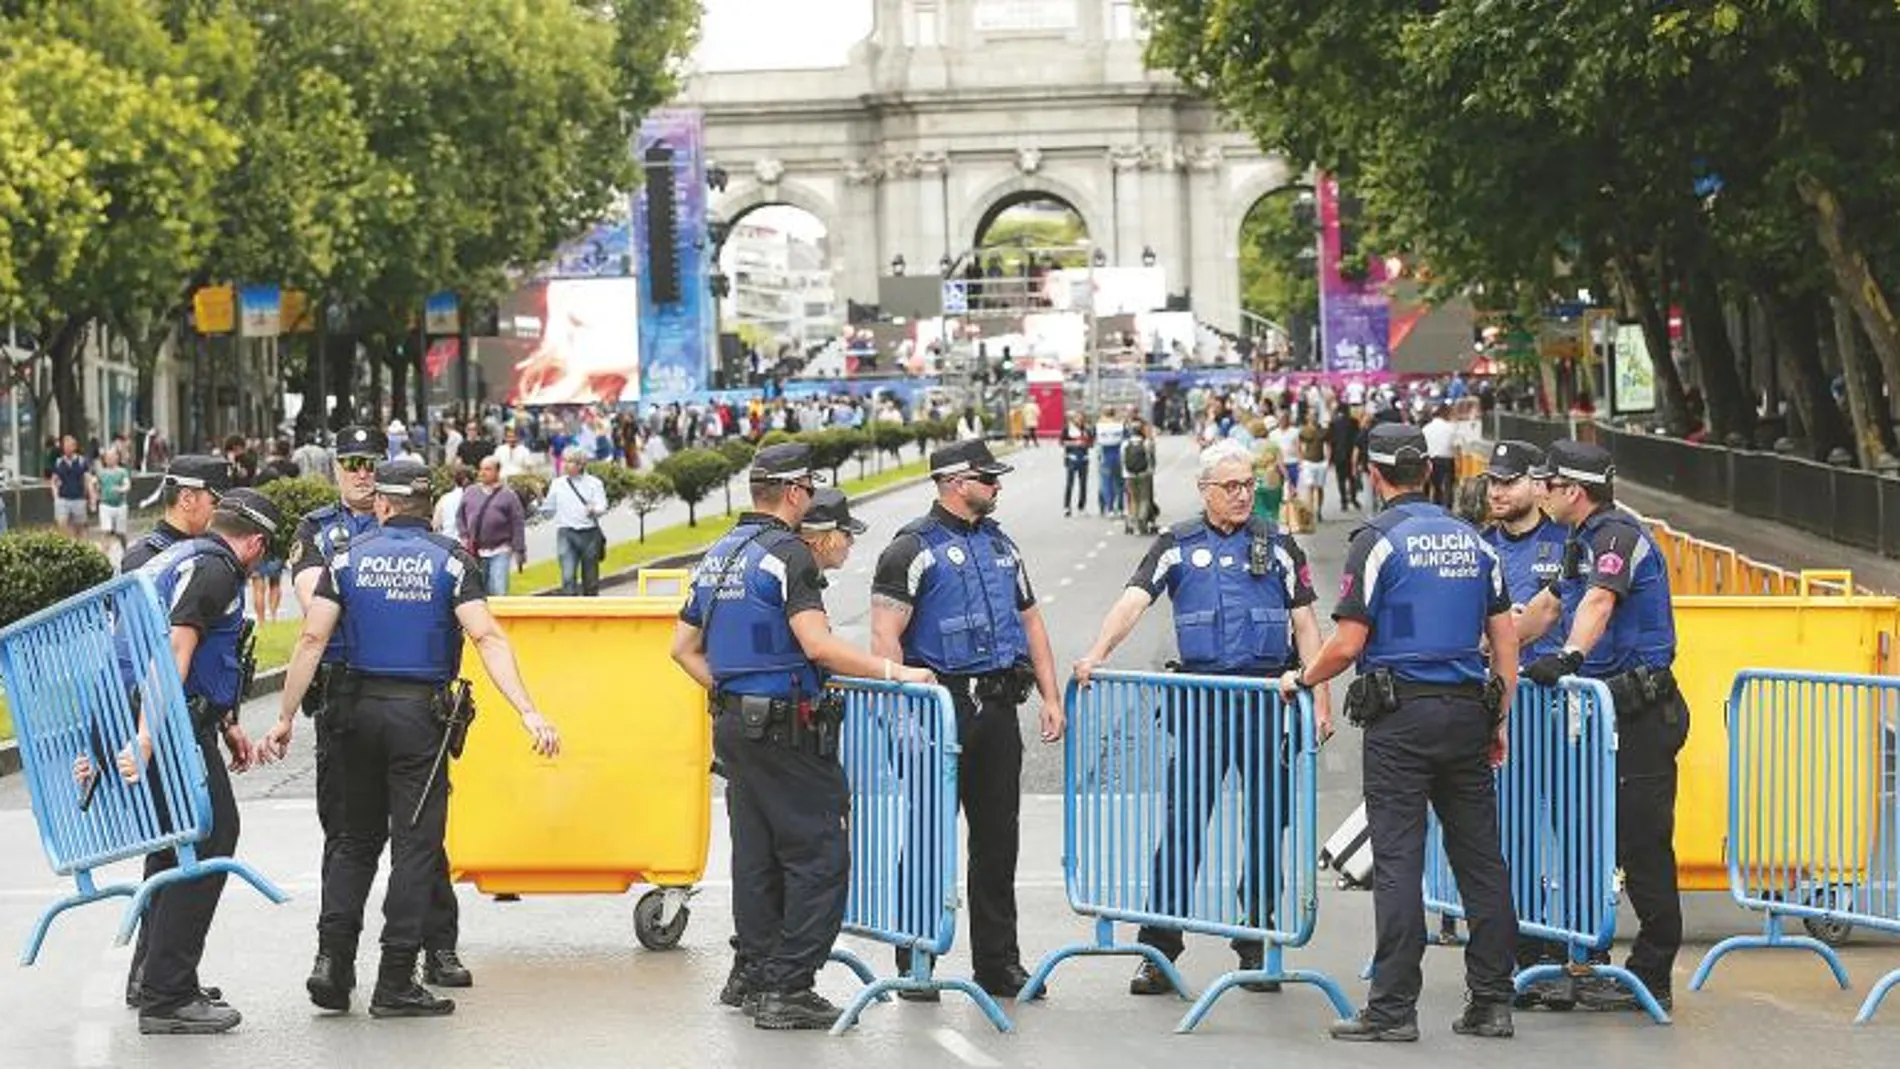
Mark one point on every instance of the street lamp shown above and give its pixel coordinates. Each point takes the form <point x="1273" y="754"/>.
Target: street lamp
<point x="944" y="265"/>
<point x="1147" y="256"/>
<point x="1100" y="259"/>
<point x="897" y="265"/>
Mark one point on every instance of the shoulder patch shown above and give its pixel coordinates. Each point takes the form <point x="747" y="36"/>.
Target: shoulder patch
<point x="296" y="552"/>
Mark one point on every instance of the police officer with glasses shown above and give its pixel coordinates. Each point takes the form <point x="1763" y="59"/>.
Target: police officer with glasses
<point x="951" y="594"/>
<point x="1614" y="593"/>
<point x="1421" y="590"/>
<point x="1243" y="606"/>
<point x="754" y="632"/>
<point x="404" y="597"/>
<point x="202" y="580"/>
<point x="191" y="488"/>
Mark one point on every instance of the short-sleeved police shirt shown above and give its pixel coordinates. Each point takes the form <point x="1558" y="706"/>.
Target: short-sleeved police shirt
<point x="1371" y="553"/>
<point x="801" y="583"/>
<point x="143" y="550"/>
<point x="306" y="552"/>
<point x="1610" y="557"/>
<point x="208" y="590"/>
<point x="468" y="585"/>
<point x="1160" y="569"/>
<point x="902" y="565"/>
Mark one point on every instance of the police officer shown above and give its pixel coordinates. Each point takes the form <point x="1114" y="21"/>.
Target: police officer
<point x="404" y="597"/>
<point x="1614" y="595"/>
<point x="1419" y="591"/>
<point x="951" y="594"/>
<point x="191" y="486"/>
<point x="1243" y="604"/>
<point x="754" y="633"/>
<point x="202" y="579"/>
<point x="1530" y="549"/>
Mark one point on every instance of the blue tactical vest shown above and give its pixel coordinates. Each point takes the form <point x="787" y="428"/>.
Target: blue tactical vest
<point x="397" y="589"/>
<point x="213" y="672"/>
<point x="1432" y="596"/>
<point x="155" y="541"/>
<point x="749" y="643"/>
<point x="1228" y="621"/>
<point x="1642" y="629"/>
<point x="966" y="621"/>
<point x="336" y="526"/>
<point x="1531" y="563"/>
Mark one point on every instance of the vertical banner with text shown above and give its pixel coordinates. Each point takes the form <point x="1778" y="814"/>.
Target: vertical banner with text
<point x="1355" y="314"/>
<point x="676" y="314"/>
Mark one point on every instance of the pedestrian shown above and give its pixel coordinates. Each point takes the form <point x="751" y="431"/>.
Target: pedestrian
<point x="494" y="525"/>
<point x="448" y="511"/>
<point x="1419" y="593"/>
<point x="201" y="579"/>
<point x="1032" y="421"/>
<point x="515" y="458"/>
<point x="67" y="480"/>
<point x="1138" y="474"/>
<point x="1313" y="465"/>
<point x="1612" y="605"/>
<point x="1243" y="606"/>
<point x="1109" y="433"/>
<point x="402" y="597"/>
<point x="1441" y="441"/>
<point x="110" y="485"/>
<point x="578" y="500"/>
<point x="755" y="634"/>
<point x="951" y="593"/>
<point x="312" y="459"/>
<point x="1078" y="441"/>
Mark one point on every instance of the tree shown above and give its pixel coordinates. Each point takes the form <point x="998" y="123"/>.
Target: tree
<point x="693" y="474"/>
<point x="646" y="492"/>
<point x="738" y="453"/>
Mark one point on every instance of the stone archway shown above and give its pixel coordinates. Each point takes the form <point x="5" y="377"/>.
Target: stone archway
<point x="737" y="203"/>
<point x="1020" y="190"/>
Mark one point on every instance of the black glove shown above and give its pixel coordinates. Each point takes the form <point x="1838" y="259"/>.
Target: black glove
<point x="1548" y="669"/>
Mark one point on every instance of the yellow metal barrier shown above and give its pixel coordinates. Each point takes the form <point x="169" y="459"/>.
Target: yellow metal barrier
<point x="1717" y="637"/>
<point x="628" y="801"/>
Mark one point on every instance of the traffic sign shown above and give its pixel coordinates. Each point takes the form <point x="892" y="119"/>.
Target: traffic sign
<point x="955" y="298"/>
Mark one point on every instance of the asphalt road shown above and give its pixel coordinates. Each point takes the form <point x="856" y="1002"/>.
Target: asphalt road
<point x="561" y="981"/>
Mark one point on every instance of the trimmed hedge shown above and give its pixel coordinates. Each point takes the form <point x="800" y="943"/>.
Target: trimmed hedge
<point x="40" y="569"/>
<point x="294" y="498"/>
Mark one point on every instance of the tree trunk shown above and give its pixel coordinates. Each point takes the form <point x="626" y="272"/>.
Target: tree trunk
<point x="1855" y="280"/>
<point x="63" y="356"/>
<point x="1862" y="402"/>
<point x="1798" y="364"/>
<point x="1731" y="413"/>
<point x="1640" y="297"/>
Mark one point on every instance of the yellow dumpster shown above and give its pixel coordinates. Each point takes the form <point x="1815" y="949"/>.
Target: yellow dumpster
<point x="628" y="801"/>
<point x="1718" y="637"/>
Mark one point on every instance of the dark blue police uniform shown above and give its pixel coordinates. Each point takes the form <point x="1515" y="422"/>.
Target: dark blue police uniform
<point x="398" y="588"/>
<point x="786" y="795"/>
<point x="967" y="589"/>
<point x="1425" y="584"/>
<point x="1611" y="550"/>
<point x="1234" y="593"/>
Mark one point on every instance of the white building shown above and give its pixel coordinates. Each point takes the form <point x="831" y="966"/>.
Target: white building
<point x="782" y="284"/>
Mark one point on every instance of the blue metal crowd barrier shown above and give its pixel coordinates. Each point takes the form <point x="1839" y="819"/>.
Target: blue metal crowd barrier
<point x="1812" y="811"/>
<point x="899" y="750"/>
<point x="1189" y="803"/>
<point x="1557" y="826"/>
<point x="76" y="676"/>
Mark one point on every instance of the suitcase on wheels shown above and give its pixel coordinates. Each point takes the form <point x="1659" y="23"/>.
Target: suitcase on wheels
<point x="1349" y="851"/>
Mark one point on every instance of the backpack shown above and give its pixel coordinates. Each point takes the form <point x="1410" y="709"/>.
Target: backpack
<point x="1135" y="458"/>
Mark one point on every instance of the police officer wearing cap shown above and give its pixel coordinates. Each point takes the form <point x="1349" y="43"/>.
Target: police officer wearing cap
<point x="754" y="633"/>
<point x="1420" y="590"/>
<point x="202" y="580"/>
<point x="403" y="597"/>
<point x="192" y="485"/>
<point x="951" y="594"/>
<point x="1612" y="611"/>
<point x="1243" y="606"/>
<point x="1530" y="549"/>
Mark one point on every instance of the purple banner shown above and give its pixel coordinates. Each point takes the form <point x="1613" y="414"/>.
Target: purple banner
<point x="1355" y="315"/>
<point x="676" y="329"/>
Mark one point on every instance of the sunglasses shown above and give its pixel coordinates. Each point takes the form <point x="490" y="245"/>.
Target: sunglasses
<point x="1231" y="486"/>
<point x="987" y="478"/>
<point x="356" y="464"/>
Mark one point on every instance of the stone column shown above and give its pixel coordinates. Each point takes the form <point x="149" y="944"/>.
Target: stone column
<point x="861" y="245"/>
<point x="1213" y="260"/>
<point x="1124" y="242"/>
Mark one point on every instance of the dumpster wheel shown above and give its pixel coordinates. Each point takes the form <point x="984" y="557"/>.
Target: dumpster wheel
<point x="650" y="928"/>
<point x="1834" y="933"/>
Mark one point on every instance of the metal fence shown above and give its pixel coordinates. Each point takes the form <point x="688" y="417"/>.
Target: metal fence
<point x="1812" y="811"/>
<point x="1189" y="803"/>
<point x="899" y="751"/>
<point x="77" y="675"/>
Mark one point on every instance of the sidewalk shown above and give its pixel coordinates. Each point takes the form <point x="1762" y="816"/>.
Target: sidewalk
<point x="1763" y="540"/>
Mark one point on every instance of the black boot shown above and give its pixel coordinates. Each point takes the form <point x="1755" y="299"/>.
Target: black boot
<point x="398" y="994"/>
<point x="444" y="968"/>
<point x="798" y="1010"/>
<point x="1486" y="1018"/>
<point x="199" y="1017"/>
<point x="333" y="975"/>
<point x="1364" y="1029"/>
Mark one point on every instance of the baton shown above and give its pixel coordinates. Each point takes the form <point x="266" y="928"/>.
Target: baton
<point x="428" y="787"/>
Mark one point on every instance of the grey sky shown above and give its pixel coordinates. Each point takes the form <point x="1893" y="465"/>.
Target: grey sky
<point x="779" y="34"/>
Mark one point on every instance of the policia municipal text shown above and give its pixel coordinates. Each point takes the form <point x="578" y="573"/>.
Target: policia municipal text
<point x="404" y="597"/>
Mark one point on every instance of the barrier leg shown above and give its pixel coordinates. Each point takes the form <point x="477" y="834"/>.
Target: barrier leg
<point x="1874" y="997"/>
<point x="919" y="979"/>
<point x="1271" y="971"/>
<point x="855" y="964"/>
<point x="189" y="868"/>
<point x="1621" y="976"/>
<point x="85" y="894"/>
<point x="1774" y="938"/>
<point x="1104" y="946"/>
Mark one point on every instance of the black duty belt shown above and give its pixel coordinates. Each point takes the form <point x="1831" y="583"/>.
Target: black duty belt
<point x="1640" y="688"/>
<point x="802" y="725"/>
<point x="391" y="688"/>
<point x="1409" y="690"/>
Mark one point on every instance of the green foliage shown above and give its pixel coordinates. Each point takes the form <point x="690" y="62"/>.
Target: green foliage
<point x="891" y="437"/>
<point x="1276" y="281"/>
<point x="530" y="488"/>
<point x="39" y="569"/>
<point x="646" y="492"/>
<point x="738" y="453"/>
<point x="832" y="446"/>
<point x="616" y="479"/>
<point x="773" y="438"/>
<point x="694" y="473"/>
<point x="295" y="498"/>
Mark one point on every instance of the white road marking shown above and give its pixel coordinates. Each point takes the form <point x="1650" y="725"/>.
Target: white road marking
<point x="1047" y="599"/>
<point x="1066" y="580"/>
<point x="1081" y="564"/>
<point x="964" y="1050"/>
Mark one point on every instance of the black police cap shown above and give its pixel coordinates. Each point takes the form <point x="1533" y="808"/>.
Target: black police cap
<point x="1388" y="444"/>
<point x="1512" y="459"/>
<point x="786" y="462"/>
<point x="831" y="511"/>
<point x="253" y="508"/>
<point x="198" y="472"/>
<point x="971" y="457"/>
<point x="1579" y="462"/>
<point x="358" y="441"/>
<point x="403" y="478"/>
